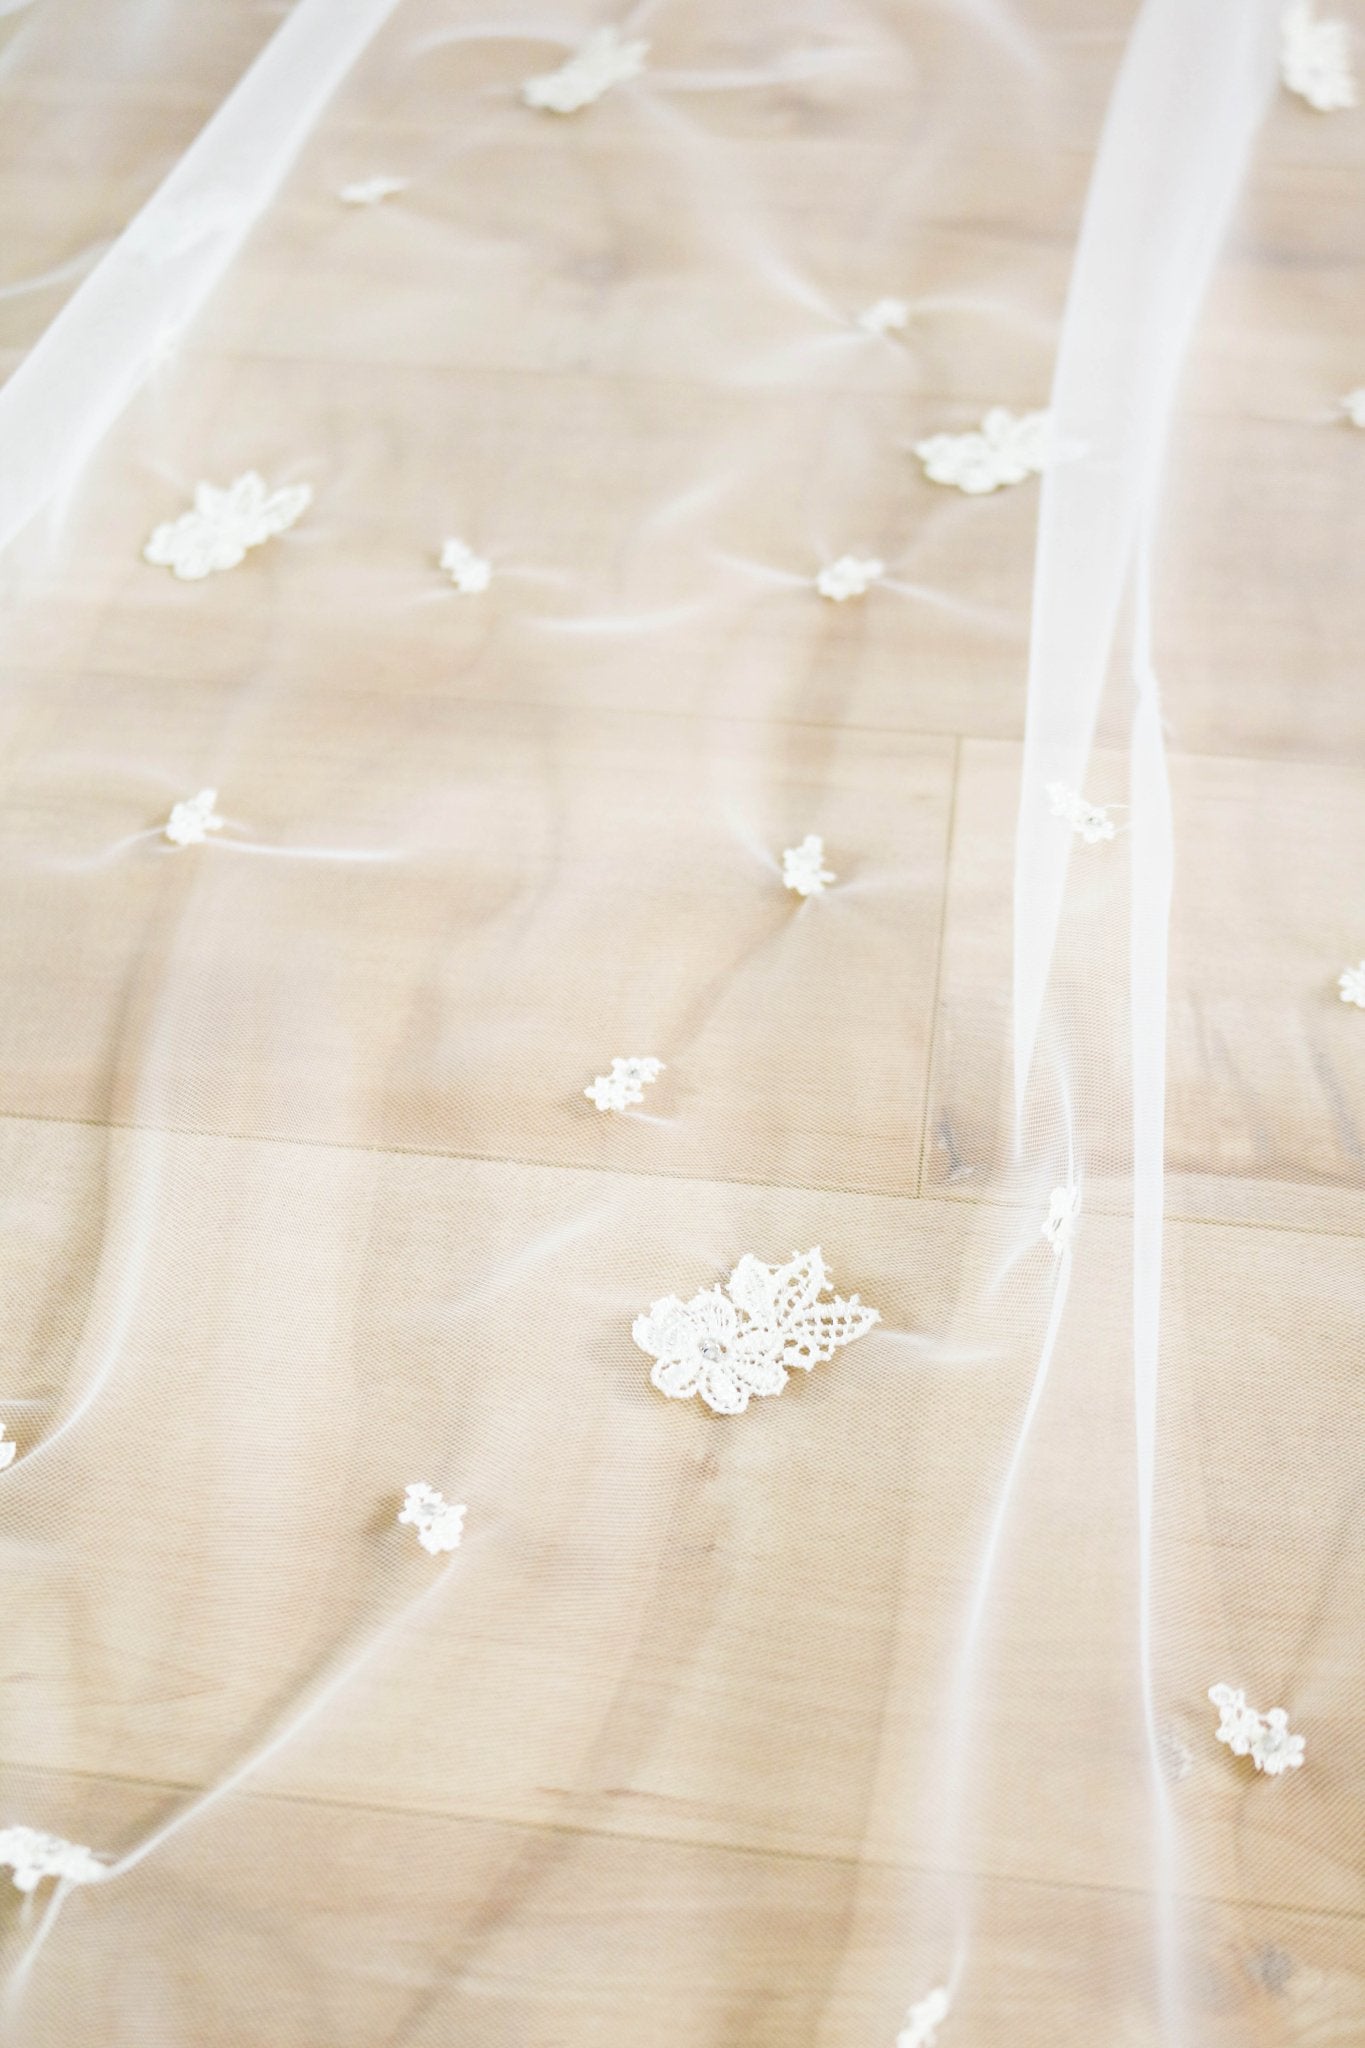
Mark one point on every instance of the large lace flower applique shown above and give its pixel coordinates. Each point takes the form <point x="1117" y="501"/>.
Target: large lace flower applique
<point x="223" y="524"/>
<point x="32" y="1856"/>
<point x="1351" y="982"/>
<point x="923" y="2021"/>
<point x="439" y="1522"/>
<point x="1315" y="58"/>
<point x="1265" y="1738"/>
<point x="803" y="867"/>
<point x="625" y="1084"/>
<point x="193" y="819"/>
<point x="850" y="576"/>
<point x="1090" y="822"/>
<point x="603" y="61"/>
<point x="733" y="1343"/>
<point x="1005" y="449"/>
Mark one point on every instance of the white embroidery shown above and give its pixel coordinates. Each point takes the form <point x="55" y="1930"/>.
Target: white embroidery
<point x="1265" y="1738"/>
<point x="602" y="61"/>
<point x="1352" y="985"/>
<point x="1353" y="405"/>
<point x="439" y="1522"/>
<point x="369" y="191"/>
<point x="7" y="1449"/>
<point x="923" y="2021"/>
<point x="1005" y="449"/>
<point x="850" y="576"/>
<point x="1091" y="821"/>
<point x="1063" y="1211"/>
<point x="32" y="1856"/>
<point x="191" y="821"/>
<point x="1315" y="58"/>
<point x="803" y="867"/>
<point x="469" y="572"/>
<point x="728" y="1344"/>
<point x="1176" y="1757"/>
<point x="224" y="524"/>
<point x="885" y="316"/>
<point x="625" y="1084"/>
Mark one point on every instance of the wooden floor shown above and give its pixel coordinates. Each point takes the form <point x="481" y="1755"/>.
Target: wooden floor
<point x="301" y="1198"/>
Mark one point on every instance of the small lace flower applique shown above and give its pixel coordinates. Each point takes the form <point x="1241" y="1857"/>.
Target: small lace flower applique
<point x="625" y="1084"/>
<point x="192" y="820"/>
<point x="728" y="1344"/>
<point x="1062" y="1214"/>
<point x="602" y="61"/>
<point x="1175" y="1756"/>
<point x="32" y="1856"/>
<point x="1005" y="449"/>
<point x="439" y="1522"/>
<point x="803" y="867"/>
<point x="1352" y="985"/>
<point x="469" y="572"/>
<point x="1353" y="405"/>
<point x="884" y="317"/>
<point x="1265" y="1738"/>
<point x="1091" y="822"/>
<point x="224" y="524"/>
<point x="370" y="191"/>
<point x="850" y="576"/>
<point x="7" y="1449"/>
<point x="923" y="2021"/>
<point x="1315" y="58"/>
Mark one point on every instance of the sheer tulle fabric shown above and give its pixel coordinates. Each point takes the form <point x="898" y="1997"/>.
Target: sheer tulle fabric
<point x="466" y="764"/>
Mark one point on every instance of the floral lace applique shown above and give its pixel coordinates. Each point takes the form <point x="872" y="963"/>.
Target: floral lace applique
<point x="1265" y="1738"/>
<point x="602" y="61"/>
<point x="7" y="1449"/>
<point x="625" y="1084"/>
<point x="369" y="191"/>
<point x="850" y="576"/>
<point x="439" y="1522"/>
<point x="1315" y="58"/>
<point x="1352" y="985"/>
<point x="1091" y="821"/>
<point x="32" y="1856"/>
<point x="1063" y="1212"/>
<point x="192" y="820"/>
<point x="923" y="2021"/>
<point x="1353" y="405"/>
<point x="1174" y="1755"/>
<point x="729" y="1344"/>
<point x="1005" y="449"/>
<point x="224" y="524"/>
<point x="469" y="572"/>
<point x="803" y="867"/>
<point x="884" y="317"/>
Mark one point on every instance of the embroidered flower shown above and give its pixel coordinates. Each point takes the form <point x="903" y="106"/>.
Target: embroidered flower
<point x="469" y="572"/>
<point x="803" y="867"/>
<point x="193" y="819"/>
<point x="1063" y="1211"/>
<point x="603" y="60"/>
<point x="1315" y="58"/>
<point x="439" y="1522"/>
<point x="1091" y="821"/>
<point x="885" y="316"/>
<point x="625" y="1084"/>
<point x="1005" y="449"/>
<point x="1265" y="1738"/>
<point x="849" y="577"/>
<point x="923" y="2021"/>
<point x="1352" y="985"/>
<point x="32" y="1856"/>
<point x="224" y="524"/>
<point x="7" y="1449"/>
<point x="1353" y="405"/>
<point x="369" y="191"/>
<point x="728" y="1344"/>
